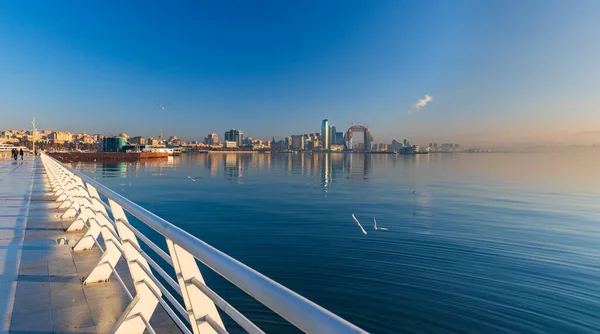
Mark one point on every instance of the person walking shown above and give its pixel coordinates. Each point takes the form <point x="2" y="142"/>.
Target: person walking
<point x="15" y="153"/>
<point x="21" y="153"/>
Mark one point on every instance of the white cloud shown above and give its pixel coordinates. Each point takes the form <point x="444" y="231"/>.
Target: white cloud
<point x="423" y="102"/>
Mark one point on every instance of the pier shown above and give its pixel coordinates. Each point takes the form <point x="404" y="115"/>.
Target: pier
<point x="70" y="261"/>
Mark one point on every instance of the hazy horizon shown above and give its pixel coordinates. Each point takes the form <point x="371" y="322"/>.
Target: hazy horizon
<point x="488" y="74"/>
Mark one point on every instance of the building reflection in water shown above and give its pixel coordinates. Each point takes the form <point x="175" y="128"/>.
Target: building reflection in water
<point x="358" y="165"/>
<point x="114" y="169"/>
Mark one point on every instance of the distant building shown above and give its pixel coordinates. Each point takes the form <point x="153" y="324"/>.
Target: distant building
<point x="230" y="144"/>
<point x="325" y="134"/>
<point x="406" y="143"/>
<point x="236" y="136"/>
<point x="298" y="142"/>
<point x="137" y="140"/>
<point x="211" y="139"/>
<point x="382" y="147"/>
<point x="396" y="146"/>
<point x="332" y="135"/>
<point x="288" y="142"/>
<point x="339" y="138"/>
<point x="152" y="142"/>
<point x="113" y="144"/>
<point x="60" y="137"/>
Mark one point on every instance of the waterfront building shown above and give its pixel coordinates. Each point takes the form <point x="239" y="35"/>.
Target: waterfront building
<point x="137" y="140"/>
<point x="339" y="138"/>
<point x="211" y="139"/>
<point x="288" y="142"/>
<point x="298" y="142"/>
<point x="332" y="133"/>
<point x="113" y="144"/>
<point x="236" y="136"/>
<point x="230" y="144"/>
<point x="325" y="134"/>
<point x="396" y="146"/>
<point x="152" y="142"/>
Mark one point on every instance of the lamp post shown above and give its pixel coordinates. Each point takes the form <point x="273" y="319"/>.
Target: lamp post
<point x="33" y="135"/>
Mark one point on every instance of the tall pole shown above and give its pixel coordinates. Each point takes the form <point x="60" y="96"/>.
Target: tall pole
<point x="33" y="134"/>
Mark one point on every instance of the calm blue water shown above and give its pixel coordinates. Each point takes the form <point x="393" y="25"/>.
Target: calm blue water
<point x="487" y="243"/>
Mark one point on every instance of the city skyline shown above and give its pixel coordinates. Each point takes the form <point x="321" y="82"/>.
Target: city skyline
<point x="430" y="71"/>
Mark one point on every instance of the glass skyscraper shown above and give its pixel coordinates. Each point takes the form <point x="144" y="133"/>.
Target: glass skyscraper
<point x="235" y="135"/>
<point x="325" y="134"/>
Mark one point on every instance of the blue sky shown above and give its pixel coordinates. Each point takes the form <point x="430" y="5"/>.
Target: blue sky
<point x="525" y="70"/>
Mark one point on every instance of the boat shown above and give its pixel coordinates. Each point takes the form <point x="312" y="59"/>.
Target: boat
<point x="170" y="151"/>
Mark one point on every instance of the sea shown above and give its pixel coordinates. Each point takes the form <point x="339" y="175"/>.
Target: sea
<point x="473" y="243"/>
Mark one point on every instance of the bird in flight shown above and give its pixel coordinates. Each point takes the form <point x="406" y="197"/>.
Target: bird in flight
<point x="160" y="106"/>
<point x="193" y="178"/>
<point x="359" y="225"/>
<point x="375" y="225"/>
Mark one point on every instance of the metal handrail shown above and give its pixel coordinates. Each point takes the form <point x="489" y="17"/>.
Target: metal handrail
<point x="298" y="310"/>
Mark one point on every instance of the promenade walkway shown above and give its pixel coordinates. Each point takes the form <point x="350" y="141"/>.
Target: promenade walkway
<point x="40" y="277"/>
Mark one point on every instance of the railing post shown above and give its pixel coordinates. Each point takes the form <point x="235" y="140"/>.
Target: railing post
<point x="200" y="308"/>
<point x="145" y="301"/>
<point x="88" y="213"/>
<point x="112" y="253"/>
<point x="81" y="197"/>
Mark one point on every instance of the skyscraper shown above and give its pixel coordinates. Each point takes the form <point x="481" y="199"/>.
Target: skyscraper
<point x="332" y="131"/>
<point x="211" y="139"/>
<point x="325" y="134"/>
<point x="298" y="142"/>
<point x="235" y="135"/>
<point x="339" y="138"/>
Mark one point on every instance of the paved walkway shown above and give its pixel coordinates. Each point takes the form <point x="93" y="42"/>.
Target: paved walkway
<point x="40" y="277"/>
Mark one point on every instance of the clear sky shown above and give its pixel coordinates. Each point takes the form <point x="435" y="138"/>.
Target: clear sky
<point x="495" y="70"/>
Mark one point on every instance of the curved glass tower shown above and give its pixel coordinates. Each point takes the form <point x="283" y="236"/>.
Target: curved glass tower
<point x="325" y="134"/>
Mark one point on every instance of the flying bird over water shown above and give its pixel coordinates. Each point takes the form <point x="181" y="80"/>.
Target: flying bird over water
<point x="359" y="225"/>
<point x="160" y="106"/>
<point x="193" y="178"/>
<point x="375" y="225"/>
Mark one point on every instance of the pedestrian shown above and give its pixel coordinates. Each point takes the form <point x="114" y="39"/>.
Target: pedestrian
<point x="15" y="153"/>
<point x="21" y="153"/>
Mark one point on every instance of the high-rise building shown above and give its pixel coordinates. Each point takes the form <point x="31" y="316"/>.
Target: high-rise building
<point x="298" y="142"/>
<point x="405" y="142"/>
<point x="235" y="135"/>
<point x="211" y="139"/>
<point x="332" y="131"/>
<point x="325" y="134"/>
<point x="339" y="138"/>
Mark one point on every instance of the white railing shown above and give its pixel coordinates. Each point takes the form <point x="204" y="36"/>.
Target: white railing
<point x="79" y="194"/>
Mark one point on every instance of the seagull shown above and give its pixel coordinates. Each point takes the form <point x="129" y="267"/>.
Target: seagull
<point x="193" y="178"/>
<point x="414" y="192"/>
<point x="375" y="225"/>
<point x="359" y="225"/>
<point x="160" y="106"/>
